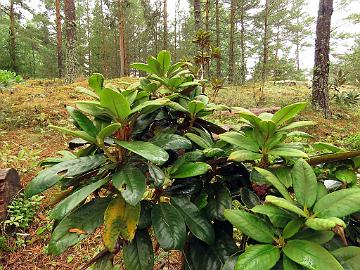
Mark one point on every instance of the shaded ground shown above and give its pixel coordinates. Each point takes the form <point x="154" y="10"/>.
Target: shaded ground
<point x="25" y="139"/>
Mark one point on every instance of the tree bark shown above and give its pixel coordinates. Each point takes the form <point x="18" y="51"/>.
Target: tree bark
<point x="265" y="44"/>
<point x="232" y="41"/>
<point x="165" y="18"/>
<point x="217" y="22"/>
<point x="13" y="64"/>
<point x="123" y="60"/>
<point x="207" y="8"/>
<point x="59" y="38"/>
<point x="197" y="13"/>
<point x="242" y="44"/>
<point x="70" y="24"/>
<point x="88" y="34"/>
<point x="320" y="90"/>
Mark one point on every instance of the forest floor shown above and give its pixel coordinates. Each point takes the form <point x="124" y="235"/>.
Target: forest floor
<point x="28" y="108"/>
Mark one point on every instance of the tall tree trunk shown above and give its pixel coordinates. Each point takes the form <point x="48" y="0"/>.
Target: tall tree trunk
<point x="104" y="58"/>
<point x="123" y="69"/>
<point x="297" y="50"/>
<point x="217" y="23"/>
<point x="176" y="30"/>
<point x="265" y="55"/>
<point x="242" y="44"/>
<point x="207" y="8"/>
<point x="197" y="13"/>
<point x="320" y="90"/>
<point x="165" y="18"/>
<point x="232" y="42"/>
<point x="70" y="25"/>
<point x="59" y="38"/>
<point x="88" y="37"/>
<point x="13" y="64"/>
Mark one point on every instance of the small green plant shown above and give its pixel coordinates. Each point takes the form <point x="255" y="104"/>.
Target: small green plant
<point x="7" y="78"/>
<point x="263" y="137"/>
<point x="289" y="230"/>
<point x="21" y="211"/>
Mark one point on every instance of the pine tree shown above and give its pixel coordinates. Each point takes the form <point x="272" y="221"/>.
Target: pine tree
<point x="320" y="90"/>
<point x="70" y="29"/>
<point x="59" y="38"/>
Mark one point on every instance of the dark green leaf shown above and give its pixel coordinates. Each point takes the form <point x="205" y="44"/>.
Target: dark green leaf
<point x="131" y="182"/>
<point x="83" y="121"/>
<point x="85" y="219"/>
<point x="310" y="255"/>
<point x="191" y="169"/>
<point x="70" y="168"/>
<point x="198" y="225"/>
<point x="147" y="150"/>
<point x="219" y="199"/>
<point x="115" y="102"/>
<point x="258" y="257"/>
<point x="70" y="202"/>
<point x="169" y="226"/>
<point x="171" y="141"/>
<point x="339" y="203"/>
<point x="251" y="225"/>
<point x="304" y="183"/>
<point x="292" y="228"/>
<point x="139" y="254"/>
<point x="349" y="257"/>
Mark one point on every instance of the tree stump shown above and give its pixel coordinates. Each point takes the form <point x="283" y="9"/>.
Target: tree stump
<point x="9" y="188"/>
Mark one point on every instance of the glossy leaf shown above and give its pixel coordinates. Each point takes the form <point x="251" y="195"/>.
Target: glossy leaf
<point x="346" y="176"/>
<point x="287" y="152"/>
<point x="198" y="140"/>
<point x="339" y="203"/>
<point x="271" y="178"/>
<point x="191" y="169"/>
<point x="131" y="182"/>
<point x="169" y="226"/>
<point x="304" y="183"/>
<point x="292" y="228"/>
<point x="156" y="174"/>
<point x="298" y="124"/>
<point x="310" y="255"/>
<point x="280" y="202"/>
<point x="349" y="257"/>
<point x="116" y="103"/>
<point x="79" y="134"/>
<point x="139" y="253"/>
<point x="70" y="168"/>
<point x="278" y="216"/>
<point x="290" y="265"/>
<point x="70" y="202"/>
<point x="258" y="257"/>
<point x="86" y="218"/>
<point x="83" y="121"/>
<point x="96" y="82"/>
<point x="288" y="112"/>
<point x="147" y="150"/>
<point x="319" y="237"/>
<point x="164" y="58"/>
<point x="251" y="225"/>
<point x="108" y="131"/>
<point x="244" y="155"/>
<point x="195" y="106"/>
<point x="219" y="200"/>
<point x="171" y="141"/>
<point x="197" y="223"/>
<point x="240" y="140"/>
<point x="120" y="219"/>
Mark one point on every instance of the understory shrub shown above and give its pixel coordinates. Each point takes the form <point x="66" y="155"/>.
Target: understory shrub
<point x="150" y="169"/>
<point x="7" y="78"/>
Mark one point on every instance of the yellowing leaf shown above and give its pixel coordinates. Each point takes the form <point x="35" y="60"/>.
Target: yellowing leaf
<point x="120" y="219"/>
